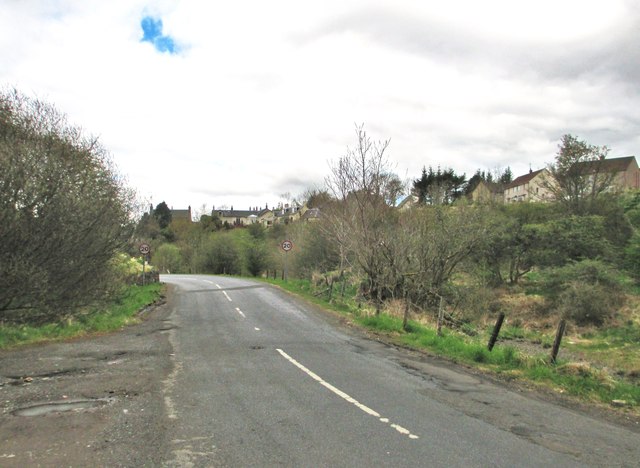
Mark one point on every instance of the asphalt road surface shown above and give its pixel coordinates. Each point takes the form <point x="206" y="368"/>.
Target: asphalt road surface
<point x="230" y="372"/>
<point x="260" y="379"/>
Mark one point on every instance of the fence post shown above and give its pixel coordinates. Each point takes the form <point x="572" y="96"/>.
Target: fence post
<point x="440" y="317"/>
<point x="496" y="331"/>
<point x="556" y="342"/>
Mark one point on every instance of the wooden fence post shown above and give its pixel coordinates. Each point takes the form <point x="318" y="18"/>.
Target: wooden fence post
<point x="496" y="331"/>
<point x="556" y="342"/>
<point x="440" y="317"/>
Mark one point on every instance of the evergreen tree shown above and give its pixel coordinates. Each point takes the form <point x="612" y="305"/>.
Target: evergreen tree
<point x="439" y="187"/>
<point x="162" y="213"/>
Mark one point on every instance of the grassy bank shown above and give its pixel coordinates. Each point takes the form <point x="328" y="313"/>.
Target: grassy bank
<point x="123" y="311"/>
<point x="589" y="380"/>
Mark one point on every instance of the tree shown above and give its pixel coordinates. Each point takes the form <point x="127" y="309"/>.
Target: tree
<point x="513" y="242"/>
<point x="162" y="213"/>
<point x="221" y="255"/>
<point x="439" y="187"/>
<point x="210" y="223"/>
<point x="256" y="231"/>
<point x="499" y="178"/>
<point x="442" y="238"/>
<point x="315" y="251"/>
<point x="578" y="175"/>
<point x="361" y="183"/>
<point x="317" y="198"/>
<point x="506" y="177"/>
<point x="167" y="258"/>
<point x="256" y="257"/>
<point x="64" y="213"/>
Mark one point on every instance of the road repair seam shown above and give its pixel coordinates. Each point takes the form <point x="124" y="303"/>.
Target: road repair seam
<point x="346" y="397"/>
<point x="170" y="382"/>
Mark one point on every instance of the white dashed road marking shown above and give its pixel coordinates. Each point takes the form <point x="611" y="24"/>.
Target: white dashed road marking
<point x="240" y="312"/>
<point x="346" y="397"/>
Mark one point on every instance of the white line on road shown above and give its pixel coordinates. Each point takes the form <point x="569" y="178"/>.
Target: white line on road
<point x="227" y="296"/>
<point x="218" y="286"/>
<point x="240" y="312"/>
<point x="256" y="328"/>
<point x="345" y="396"/>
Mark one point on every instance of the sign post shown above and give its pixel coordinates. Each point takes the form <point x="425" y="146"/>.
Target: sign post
<point x="144" y="250"/>
<point x="286" y="245"/>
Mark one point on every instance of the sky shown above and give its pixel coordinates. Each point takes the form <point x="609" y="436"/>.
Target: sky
<point x="218" y="104"/>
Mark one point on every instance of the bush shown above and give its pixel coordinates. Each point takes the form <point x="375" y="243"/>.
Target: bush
<point x="588" y="304"/>
<point x="221" y="255"/>
<point x="632" y="256"/>
<point x="64" y="214"/>
<point x="587" y="292"/>
<point x="168" y="258"/>
<point x="586" y="271"/>
<point x="257" y="258"/>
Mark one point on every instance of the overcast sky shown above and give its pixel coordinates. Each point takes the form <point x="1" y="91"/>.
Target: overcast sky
<point x="235" y="103"/>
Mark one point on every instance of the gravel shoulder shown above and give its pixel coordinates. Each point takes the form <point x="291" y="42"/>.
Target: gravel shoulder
<point x="95" y="401"/>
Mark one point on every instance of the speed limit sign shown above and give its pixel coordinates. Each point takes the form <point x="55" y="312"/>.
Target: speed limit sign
<point x="145" y="249"/>
<point x="287" y="245"/>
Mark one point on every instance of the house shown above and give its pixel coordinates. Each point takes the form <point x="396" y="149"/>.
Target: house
<point x="253" y="215"/>
<point x="311" y="215"/>
<point x="487" y="192"/>
<point x="626" y="174"/>
<point x="181" y="215"/>
<point x="407" y="202"/>
<point x="529" y="187"/>
<point x="286" y="213"/>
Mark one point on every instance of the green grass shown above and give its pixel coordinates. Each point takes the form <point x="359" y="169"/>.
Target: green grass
<point x="121" y="312"/>
<point x="585" y="383"/>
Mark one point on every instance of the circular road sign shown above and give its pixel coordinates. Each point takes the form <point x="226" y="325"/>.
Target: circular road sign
<point x="145" y="249"/>
<point x="287" y="245"/>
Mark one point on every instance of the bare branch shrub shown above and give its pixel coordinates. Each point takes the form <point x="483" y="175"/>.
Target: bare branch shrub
<point x="64" y="213"/>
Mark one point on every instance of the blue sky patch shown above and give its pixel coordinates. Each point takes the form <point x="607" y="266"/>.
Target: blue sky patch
<point x="152" y="32"/>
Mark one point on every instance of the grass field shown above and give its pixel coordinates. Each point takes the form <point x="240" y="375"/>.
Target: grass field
<point x="121" y="312"/>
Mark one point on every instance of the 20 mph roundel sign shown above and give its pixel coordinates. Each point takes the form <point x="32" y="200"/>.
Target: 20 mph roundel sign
<point x="287" y="245"/>
<point x="144" y="249"/>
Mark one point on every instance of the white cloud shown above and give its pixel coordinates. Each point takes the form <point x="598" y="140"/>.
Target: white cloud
<point x="262" y="94"/>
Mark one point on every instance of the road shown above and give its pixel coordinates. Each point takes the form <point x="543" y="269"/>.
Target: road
<point x="230" y="372"/>
<point x="261" y="379"/>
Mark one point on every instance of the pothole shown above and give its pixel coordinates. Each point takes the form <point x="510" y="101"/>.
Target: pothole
<point x="60" y="406"/>
<point x="25" y="379"/>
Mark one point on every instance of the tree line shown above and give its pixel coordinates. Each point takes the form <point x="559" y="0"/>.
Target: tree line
<point x="444" y="248"/>
<point x="67" y="219"/>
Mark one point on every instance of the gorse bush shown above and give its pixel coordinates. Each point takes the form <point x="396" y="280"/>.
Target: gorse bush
<point x="588" y="304"/>
<point x="587" y="292"/>
<point x="586" y="271"/>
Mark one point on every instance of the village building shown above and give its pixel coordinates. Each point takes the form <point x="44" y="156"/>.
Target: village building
<point x="533" y="186"/>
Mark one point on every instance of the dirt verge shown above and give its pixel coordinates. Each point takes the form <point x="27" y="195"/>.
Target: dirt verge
<point x="93" y="401"/>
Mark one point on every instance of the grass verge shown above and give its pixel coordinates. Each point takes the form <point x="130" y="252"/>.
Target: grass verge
<point x="582" y="381"/>
<point x="123" y="311"/>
